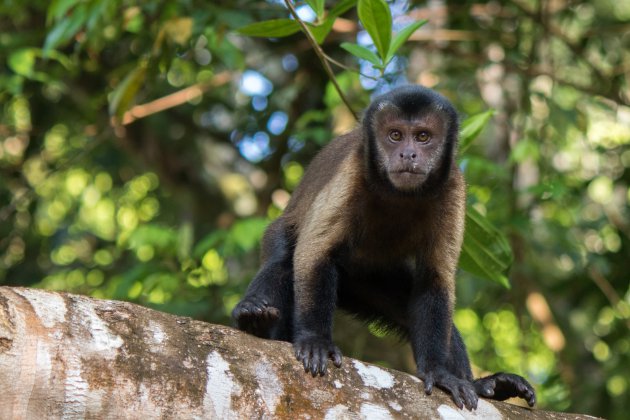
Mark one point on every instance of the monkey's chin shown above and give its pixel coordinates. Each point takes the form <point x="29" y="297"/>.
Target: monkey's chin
<point x="407" y="181"/>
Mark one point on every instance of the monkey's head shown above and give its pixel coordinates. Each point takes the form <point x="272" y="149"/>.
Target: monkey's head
<point x="411" y="138"/>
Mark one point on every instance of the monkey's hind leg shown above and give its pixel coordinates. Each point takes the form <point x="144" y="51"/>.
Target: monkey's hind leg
<point x="499" y="386"/>
<point x="502" y="386"/>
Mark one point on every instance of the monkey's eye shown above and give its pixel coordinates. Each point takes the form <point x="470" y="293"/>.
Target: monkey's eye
<point x="395" y="135"/>
<point x="423" y="137"/>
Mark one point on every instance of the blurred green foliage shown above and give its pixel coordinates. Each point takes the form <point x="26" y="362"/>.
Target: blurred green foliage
<point x="144" y="147"/>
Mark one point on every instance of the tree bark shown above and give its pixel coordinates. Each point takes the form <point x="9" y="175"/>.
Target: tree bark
<point x="73" y="357"/>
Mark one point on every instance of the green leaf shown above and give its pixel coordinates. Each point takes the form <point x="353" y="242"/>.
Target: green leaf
<point x="401" y="37"/>
<point x="58" y="8"/>
<point x="317" y="6"/>
<point x="486" y="252"/>
<point x="362" y="53"/>
<point x="275" y="28"/>
<point x="377" y="20"/>
<point x="123" y="95"/>
<point x="525" y="149"/>
<point x="320" y="32"/>
<point x="160" y="237"/>
<point x="66" y="28"/>
<point x="245" y="234"/>
<point x="211" y="240"/>
<point x="471" y="127"/>
<point x="185" y="237"/>
<point x="342" y="7"/>
<point x="22" y="61"/>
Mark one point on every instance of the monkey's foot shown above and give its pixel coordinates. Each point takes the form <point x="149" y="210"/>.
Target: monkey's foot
<point x="314" y="352"/>
<point x="502" y="386"/>
<point x="255" y="316"/>
<point x="462" y="391"/>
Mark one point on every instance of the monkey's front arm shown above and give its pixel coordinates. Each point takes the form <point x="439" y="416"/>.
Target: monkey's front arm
<point x="315" y="297"/>
<point x="430" y="324"/>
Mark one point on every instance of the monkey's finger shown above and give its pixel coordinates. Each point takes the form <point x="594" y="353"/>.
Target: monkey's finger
<point x="322" y="360"/>
<point x="487" y="391"/>
<point x="335" y="355"/>
<point x="315" y="362"/>
<point x="428" y="383"/>
<point x="470" y="398"/>
<point x="457" y="399"/>
<point x="530" y="396"/>
<point x="299" y="353"/>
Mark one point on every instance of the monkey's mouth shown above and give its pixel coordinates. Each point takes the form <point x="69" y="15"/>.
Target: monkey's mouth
<point x="407" y="178"/>
<point x="410" y="171"/>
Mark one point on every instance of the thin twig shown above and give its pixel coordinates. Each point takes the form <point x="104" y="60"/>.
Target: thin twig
<point x="321" y="56"/>
<point x="343" y="66"/>
<point x="175" y="99"/>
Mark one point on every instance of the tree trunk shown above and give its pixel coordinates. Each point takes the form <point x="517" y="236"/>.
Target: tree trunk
<point x="68" y="356"/>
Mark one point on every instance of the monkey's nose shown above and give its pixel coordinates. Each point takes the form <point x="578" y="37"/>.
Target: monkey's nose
<point x="408" y="155"/>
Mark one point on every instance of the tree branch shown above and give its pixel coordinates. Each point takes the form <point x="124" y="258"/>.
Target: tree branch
<point x="73" y="357"/>
<point x="175" y="99"/>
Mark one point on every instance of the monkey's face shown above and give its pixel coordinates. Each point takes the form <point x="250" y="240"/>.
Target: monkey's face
<point x="409" y="149"/>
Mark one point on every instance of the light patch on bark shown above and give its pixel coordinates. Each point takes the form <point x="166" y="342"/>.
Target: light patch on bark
<point x="103" y="340"/>
<point x="484" y="411"/>
<point x="43" y="360"/>
<point x="269" y="384"/>
<point x="50" y="308"/>
<point x="220" y="387"/>
<point x="76" y="389"/>
<point x="339" y="412"/>
<point x="395" y="405"/>
<point x="373" y="411"/>
<point x="374" y="376"/>
<point x="156" y="334"/>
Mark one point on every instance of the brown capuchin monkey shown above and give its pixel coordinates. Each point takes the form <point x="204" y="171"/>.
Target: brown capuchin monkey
<point x="375" y="228"/>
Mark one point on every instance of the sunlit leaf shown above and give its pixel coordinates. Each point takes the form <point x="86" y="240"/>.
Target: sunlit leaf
<point x="123" y="95"/>
<point x="275" y="28"/>
<point x="317" y="6"/>
<point x="58" y="8"/>
<point x="320" y="32"/>
<point x="211" y="240"/>
<point x="486" y="252"/>
<point x="158" y="236"/>
<point x="525" y="149"/>
<point x="246" y="234"/>
<point x="362" y="53"/>
<point x="22" y="61"/>
<point x="179" y="30"/>
<point x="402" y="36"/>
<point x="66" y="28"/>
<point x="472" y="127"/>
<point x="377" y="20"/>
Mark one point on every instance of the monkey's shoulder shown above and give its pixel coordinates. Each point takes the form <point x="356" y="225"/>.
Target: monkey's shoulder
<point x="330" y="179"/>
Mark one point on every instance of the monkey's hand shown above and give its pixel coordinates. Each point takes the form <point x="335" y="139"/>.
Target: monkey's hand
<point x="462" y="391"/>
<point x="254" y="315"/>
<point x="314" y="352"/>
<point x="502" y="386"/>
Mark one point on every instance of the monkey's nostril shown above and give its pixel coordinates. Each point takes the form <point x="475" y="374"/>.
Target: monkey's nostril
<point x="402" y="156"/>
<point x="413" y="156"/>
